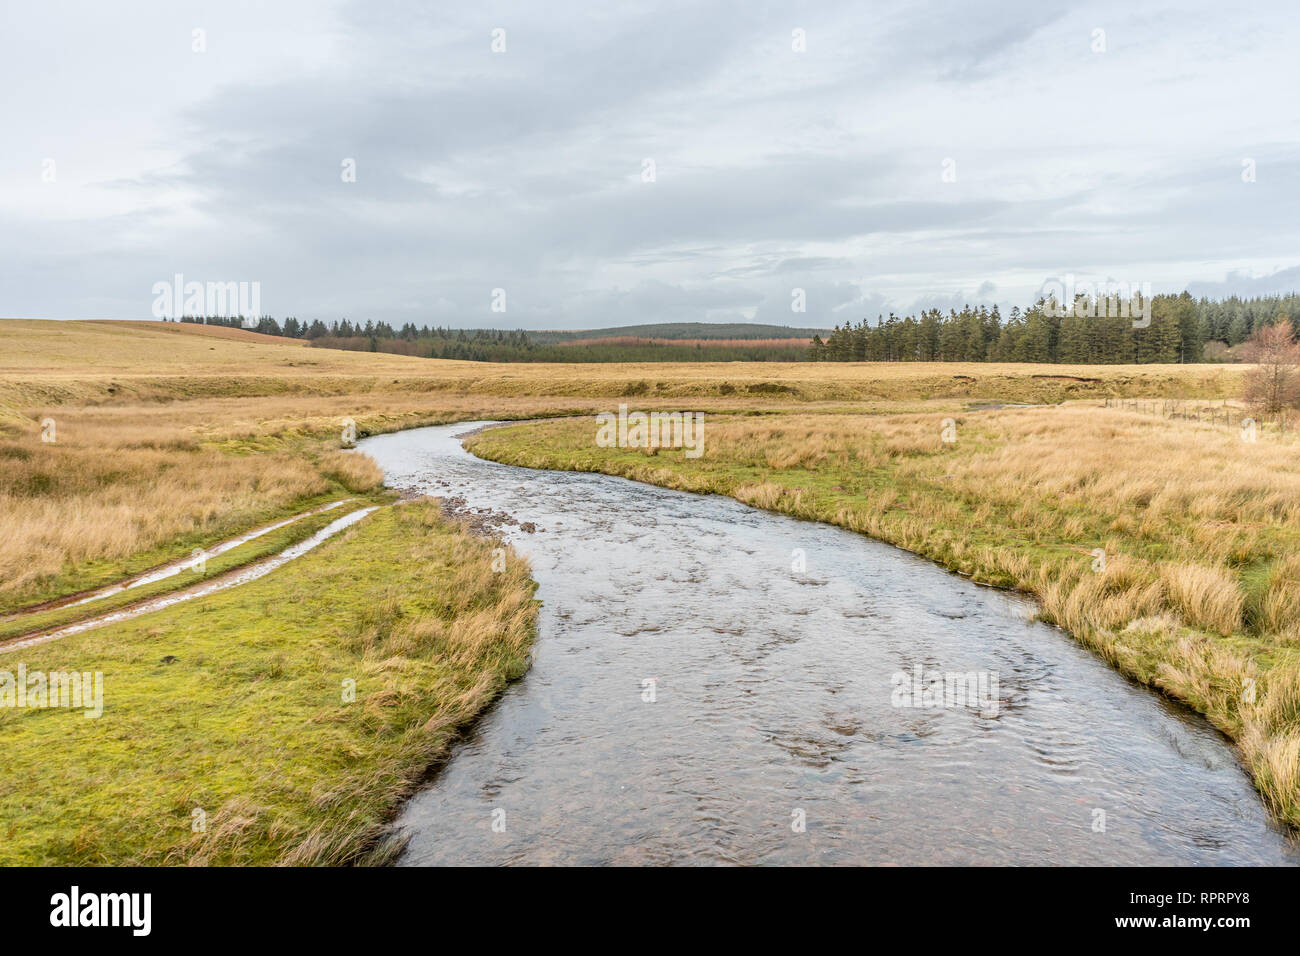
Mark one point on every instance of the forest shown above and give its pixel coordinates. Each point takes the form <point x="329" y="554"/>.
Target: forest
<point x="1181" y="330"/>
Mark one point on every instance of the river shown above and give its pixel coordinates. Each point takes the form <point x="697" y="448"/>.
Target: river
<point x="717" y="684"/>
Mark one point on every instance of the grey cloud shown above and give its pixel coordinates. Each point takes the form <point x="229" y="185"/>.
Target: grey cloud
<point x="774" y="169"/>
<point x="1281" y="282"/>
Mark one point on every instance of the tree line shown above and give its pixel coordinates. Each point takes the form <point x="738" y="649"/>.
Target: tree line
<point x="497" y="345"/>
<point x="1171" y="329"/>
<point x="1168" y="329"/>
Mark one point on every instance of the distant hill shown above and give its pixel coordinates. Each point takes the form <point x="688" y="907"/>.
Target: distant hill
<point x="679" y="330"/>
<point x="193" y="328"/>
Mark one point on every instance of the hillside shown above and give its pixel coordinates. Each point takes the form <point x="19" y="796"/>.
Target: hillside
<point x="86" y="349"/>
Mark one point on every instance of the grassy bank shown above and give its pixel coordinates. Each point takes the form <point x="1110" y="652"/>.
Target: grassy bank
<point x="1170" y="547"/>
<point x="234" y="706"/>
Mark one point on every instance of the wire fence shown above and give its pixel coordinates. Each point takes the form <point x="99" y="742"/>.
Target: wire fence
<point x="1211" y="413"/>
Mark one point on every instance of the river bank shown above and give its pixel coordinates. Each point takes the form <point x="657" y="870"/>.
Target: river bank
<point x="280" y="722"/>
<point x="1166" y="547"/>
<point x="721" y="684"/>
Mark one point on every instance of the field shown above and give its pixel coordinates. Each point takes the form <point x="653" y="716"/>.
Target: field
<point x="97" y="363"/>
<point x="169" y="438"/>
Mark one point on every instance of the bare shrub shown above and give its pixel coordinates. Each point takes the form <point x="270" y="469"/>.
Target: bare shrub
<point x="1274" y="383"/>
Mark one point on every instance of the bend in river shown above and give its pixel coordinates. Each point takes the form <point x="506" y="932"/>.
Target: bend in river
<point x="694" y="699"/>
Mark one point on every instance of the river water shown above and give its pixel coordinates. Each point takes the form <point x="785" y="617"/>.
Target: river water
<point x="716" y="684"/>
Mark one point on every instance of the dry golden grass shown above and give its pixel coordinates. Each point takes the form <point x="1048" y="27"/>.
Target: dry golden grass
<point x="1279" y="610"/>
<point x="207" y="331"/>
<point x="124" y="486"/>
<point x="91" y="349"/>
<point x="1271" y="740"/>
<point x="1206" y="598"/>
<point x="94" y="362"/>
<point x="119" y="483"/>
<point x="68" y="505"/>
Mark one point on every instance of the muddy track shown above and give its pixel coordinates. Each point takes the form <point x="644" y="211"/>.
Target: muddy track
<point x="232" y="578"/>
<point x="166" y="570"/>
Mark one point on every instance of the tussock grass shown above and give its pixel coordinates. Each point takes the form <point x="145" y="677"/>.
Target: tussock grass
<point x="1279" y="607"/>
<point x="171" y="436"/>
<point x="125" y="487"/>
<point x="75" y="502"/>
<point x="1207" y="598"/>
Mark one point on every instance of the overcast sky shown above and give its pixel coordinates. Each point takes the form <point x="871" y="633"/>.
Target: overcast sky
<point x="652" y="162"/>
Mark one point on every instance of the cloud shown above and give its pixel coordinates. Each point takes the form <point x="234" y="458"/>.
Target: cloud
<point x="1281" y="282"/>
<point x="527" y="170"/>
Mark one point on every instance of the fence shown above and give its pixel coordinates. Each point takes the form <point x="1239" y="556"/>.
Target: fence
<point x="1207" y="412"/>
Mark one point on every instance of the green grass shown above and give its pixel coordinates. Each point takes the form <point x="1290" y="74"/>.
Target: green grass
<point x="93" y="575"/>
<point x="268" y="544"/>
<point x="249" y="724"/>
